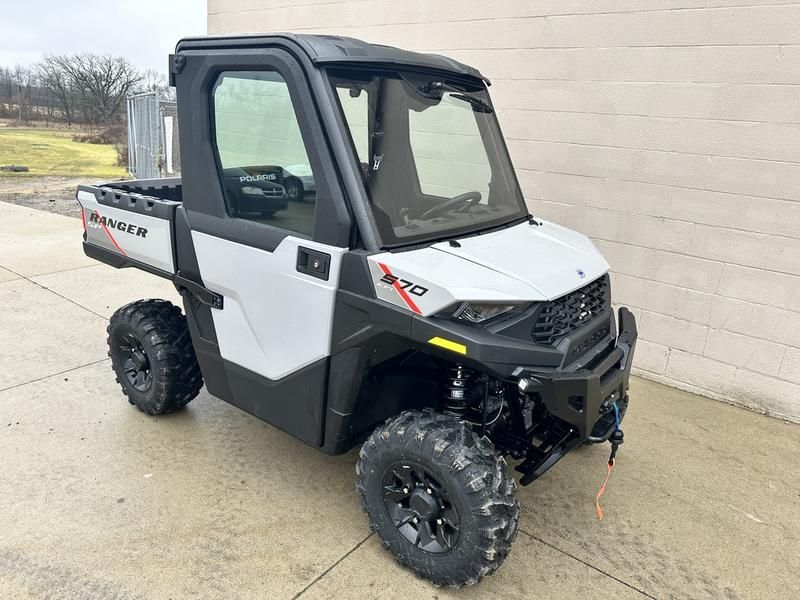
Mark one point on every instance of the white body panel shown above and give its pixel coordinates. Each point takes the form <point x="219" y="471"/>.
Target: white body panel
<point x="522" y="263"/>
<point x="108" y="227"/>
<point x="275" y="320"/>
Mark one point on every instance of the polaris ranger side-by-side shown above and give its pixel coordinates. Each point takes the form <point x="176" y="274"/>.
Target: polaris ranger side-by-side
<point x="405" y="299"/>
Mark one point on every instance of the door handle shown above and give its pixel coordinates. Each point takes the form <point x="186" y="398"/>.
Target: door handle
<point x="314" y="263"/>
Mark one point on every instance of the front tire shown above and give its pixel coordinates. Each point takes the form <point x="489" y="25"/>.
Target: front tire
<point x="294" y="189"/>
<point x="152" y="356"/>
<point x="438" y="496"/>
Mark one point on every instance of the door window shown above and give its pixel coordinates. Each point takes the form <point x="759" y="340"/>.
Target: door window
<point x="265" y="172"/>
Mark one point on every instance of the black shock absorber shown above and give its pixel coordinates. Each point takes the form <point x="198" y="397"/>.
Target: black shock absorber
<point x="458" y="390"/>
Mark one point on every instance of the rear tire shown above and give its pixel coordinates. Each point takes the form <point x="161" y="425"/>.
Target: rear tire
<point x="152" y="356"/>
<point x="430" y="467"/>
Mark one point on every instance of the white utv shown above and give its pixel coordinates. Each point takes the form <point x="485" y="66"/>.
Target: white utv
<point x="411" y="305"/>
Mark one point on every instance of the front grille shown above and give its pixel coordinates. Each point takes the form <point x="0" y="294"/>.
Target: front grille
<point x="564" y="315"/>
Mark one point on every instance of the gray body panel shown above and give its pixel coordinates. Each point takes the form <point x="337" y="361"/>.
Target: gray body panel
<point x="120" y="229"/>
<point x="275" y="320"/>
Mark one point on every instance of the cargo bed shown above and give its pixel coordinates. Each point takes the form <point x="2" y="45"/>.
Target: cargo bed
<point x="132" y="223"/>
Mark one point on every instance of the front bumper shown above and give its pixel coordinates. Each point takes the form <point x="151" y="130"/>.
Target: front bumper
<point x="582" y="400"/>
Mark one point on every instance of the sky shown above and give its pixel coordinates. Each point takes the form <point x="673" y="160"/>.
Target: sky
<point x="143" y="31"/>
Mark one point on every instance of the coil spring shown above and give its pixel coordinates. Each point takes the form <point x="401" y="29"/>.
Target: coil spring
<point x="458" y="390"/>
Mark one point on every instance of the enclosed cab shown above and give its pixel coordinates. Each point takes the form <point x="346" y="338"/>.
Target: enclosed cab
<point x="358" y="265"/>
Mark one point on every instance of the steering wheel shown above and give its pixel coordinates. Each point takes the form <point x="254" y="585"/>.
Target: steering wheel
<point x="468" y="198"/>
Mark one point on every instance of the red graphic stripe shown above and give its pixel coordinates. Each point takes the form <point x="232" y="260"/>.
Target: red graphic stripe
<point x="403" y="294"/>
<point x="108" y="233"/>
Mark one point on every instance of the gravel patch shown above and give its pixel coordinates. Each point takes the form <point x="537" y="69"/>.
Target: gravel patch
<point x="50" y="194"/>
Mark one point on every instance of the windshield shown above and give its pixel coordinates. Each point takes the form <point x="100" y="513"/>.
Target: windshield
<point x="432" y="156"/>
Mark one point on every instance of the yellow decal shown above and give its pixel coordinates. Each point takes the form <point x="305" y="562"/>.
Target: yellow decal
<point x="448" y="344"/>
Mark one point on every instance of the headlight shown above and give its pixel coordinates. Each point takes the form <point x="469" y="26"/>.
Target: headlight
<point x="251" y="190"/>
<point x="475" y="313"/>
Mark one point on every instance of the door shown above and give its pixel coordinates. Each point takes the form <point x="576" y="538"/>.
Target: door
<point x="268" y="232"/>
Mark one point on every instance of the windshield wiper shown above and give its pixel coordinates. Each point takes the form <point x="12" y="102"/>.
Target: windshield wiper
<point x="435" y="89"/>
<point x="478" y="105"/>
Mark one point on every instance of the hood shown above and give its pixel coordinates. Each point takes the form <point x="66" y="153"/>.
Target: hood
<point x="521" y="263"/>
<point x="549" y="258"/>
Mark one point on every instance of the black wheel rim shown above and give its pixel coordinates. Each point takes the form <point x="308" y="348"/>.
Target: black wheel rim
<point x="292" y="190"/>
<point x="135" y="363"/>
<point x="420" y="508"/>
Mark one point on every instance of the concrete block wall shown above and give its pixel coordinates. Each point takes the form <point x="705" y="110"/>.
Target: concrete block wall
<point x="667" y="130"/>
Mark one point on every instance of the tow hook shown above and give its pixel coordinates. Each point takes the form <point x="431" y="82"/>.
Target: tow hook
<point x="617" y="438"/>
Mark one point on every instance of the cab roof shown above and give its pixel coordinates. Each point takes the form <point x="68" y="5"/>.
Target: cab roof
<point x="332" y="49"/>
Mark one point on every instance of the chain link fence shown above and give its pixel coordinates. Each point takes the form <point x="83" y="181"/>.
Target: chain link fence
<point x="153" y="148"/>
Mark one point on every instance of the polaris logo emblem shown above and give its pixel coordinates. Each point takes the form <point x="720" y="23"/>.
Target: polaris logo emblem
<point x="250" y="178"/>
<point x="118" y="225"/>
<point x="581" y="273"/>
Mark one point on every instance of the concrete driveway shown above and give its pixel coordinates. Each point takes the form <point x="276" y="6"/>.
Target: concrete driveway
<point x="98" y="500"/>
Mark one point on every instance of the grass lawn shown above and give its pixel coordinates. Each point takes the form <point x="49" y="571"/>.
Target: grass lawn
<point x="52" y="152"/>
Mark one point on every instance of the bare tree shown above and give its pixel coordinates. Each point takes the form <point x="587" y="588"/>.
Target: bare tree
<point x="15" y="84"/>
<point x="87" y="88"/>
<point x="154" y="81"/>
<point x="7" y="87"/>
<point x="54" y="78"/>
<point x="19" y="84"/>
<point x="103" y="82"/>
